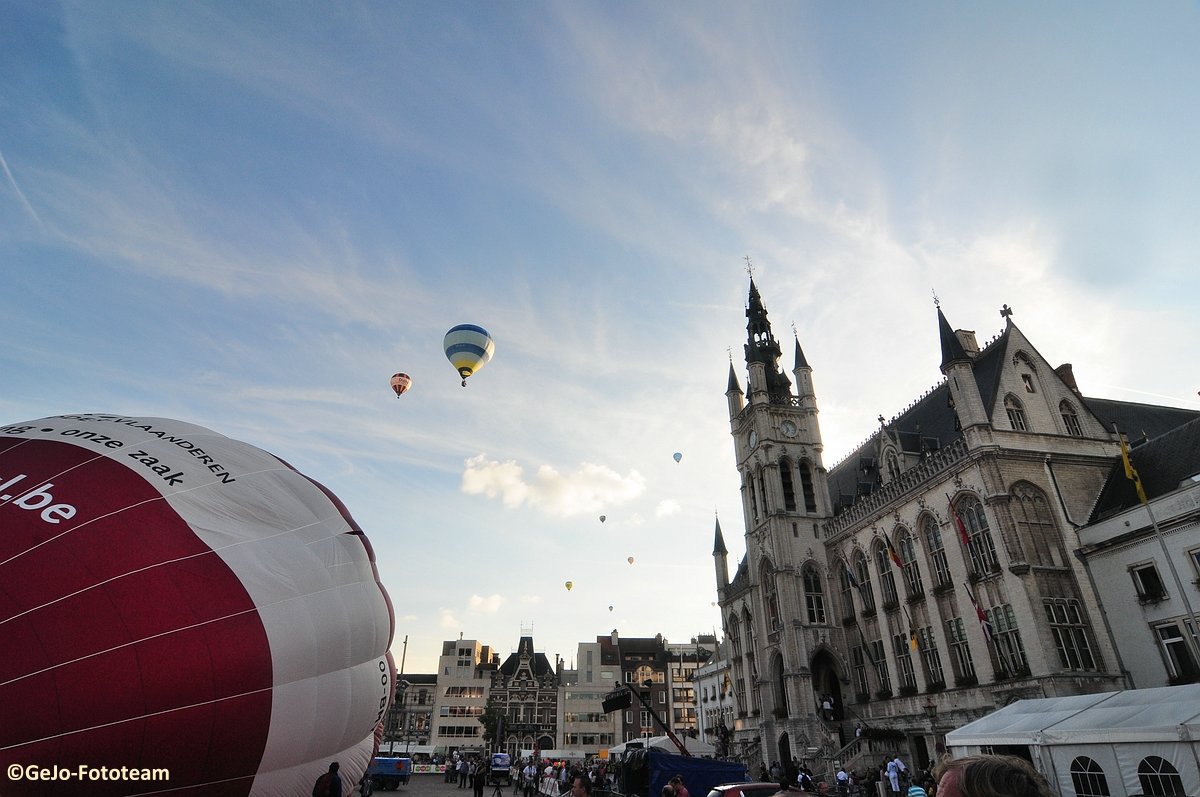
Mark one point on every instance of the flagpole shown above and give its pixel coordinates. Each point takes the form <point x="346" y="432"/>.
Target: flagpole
<point x="1189" y="637"/>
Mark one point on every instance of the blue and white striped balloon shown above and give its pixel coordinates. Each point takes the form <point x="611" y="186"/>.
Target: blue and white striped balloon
<point x="468" y="348"/>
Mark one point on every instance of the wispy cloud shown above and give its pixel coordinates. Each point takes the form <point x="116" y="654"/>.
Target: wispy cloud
<point x="12" y="182"/>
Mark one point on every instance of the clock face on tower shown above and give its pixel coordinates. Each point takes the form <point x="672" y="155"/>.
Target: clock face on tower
<point x="788" y="428"/>
<point x="753" y="438"/>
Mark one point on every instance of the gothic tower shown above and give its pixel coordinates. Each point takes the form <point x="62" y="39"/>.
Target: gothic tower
<point x="781" y="660"/>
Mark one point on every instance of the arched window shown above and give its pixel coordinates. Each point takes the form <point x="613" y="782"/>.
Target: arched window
<point x="770" y="595"/>
<point x="1035" y="524"/>
<point x="814" y="599"/>
<point x="781" y="698"/>
<point x="908" y="556"/>
<point x="981" y="548"/>
<point x="863" y="574"/>
<point x="1088" y="778"/>
<point x="785" y="479"/>
<point x="1159" y="778"/>
<point x="806" y="484"/>
<point x="1070" y="418"/>
<point x="749" y="488"/>
<point x="887" y="578"/>
<point x="935" y="550"/>
<point x="847" y="589"/>
<point x="1016" y="413"/>
<point x="762" y="493"/>
<point x="733" y="629"/>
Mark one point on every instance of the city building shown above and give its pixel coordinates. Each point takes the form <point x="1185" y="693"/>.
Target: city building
<point x="1148" y="559"/>
<point x="929" y="576"/>
<point x="525" y="689"/>
<point x="586" y="728"/>
<point x="464" y="678"/>
<point x="409" y="720"/>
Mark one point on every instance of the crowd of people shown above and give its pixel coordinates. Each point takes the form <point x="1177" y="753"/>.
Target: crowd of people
<point x="971" y="776"/>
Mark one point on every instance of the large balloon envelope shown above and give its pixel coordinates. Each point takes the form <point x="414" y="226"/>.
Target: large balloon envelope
<point x="468" y="348"/>
<point x="401" y="383"/>
<point x="677" y="456"/>
<point x="172" y="598"/>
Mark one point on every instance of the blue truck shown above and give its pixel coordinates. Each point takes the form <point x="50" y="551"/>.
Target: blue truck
<point x="388" y="773"/>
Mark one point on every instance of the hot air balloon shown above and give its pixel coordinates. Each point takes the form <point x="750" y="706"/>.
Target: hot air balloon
<point x="401" y="383"/>
<point x="187" y="601"/>
<point x="468" y="348"/>
<point x="603" y="518"/>
<point x="570" y="584"/>
<point x="677" y="456"/>
<point x="610" y="608"/>
<point x="630" y="560"/>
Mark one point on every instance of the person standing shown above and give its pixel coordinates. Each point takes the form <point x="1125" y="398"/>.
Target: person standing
<point x="329" y="784"/>
<point x="678" y="787"/>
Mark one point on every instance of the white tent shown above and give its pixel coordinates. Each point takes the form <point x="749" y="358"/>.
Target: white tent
<point x="697" y="747"/>
<point x="1117" y="736"/>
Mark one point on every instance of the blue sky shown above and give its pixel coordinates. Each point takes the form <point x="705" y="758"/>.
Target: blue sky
<point x="249" y="215"/>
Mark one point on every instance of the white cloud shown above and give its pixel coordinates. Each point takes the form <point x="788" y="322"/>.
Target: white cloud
<point x="667" y="508"/>
<point x="588" y="489"/>
<point x="446" y="619"/>
<point x="489" y="605"/>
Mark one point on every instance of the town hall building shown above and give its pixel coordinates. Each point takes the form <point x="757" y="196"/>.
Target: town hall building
<point x="929" y="577"/>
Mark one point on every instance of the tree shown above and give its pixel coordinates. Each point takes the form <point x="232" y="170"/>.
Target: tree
<point x="491" y="719"/>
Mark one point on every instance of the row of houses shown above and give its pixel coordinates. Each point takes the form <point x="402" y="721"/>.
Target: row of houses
<point x="547" y="706"/>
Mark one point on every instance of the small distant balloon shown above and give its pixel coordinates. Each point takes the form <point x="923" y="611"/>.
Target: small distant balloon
<point x="610" y="608"/>
<point x="401" y="383"/>
<point x="603" y="518"/>
<point x="630" y="560"/>
<point x="570" y="584"/>
<point x="468" y="348"/>
<point x="677" y="456"/>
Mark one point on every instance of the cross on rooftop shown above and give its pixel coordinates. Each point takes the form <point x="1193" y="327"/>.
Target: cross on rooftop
<point x="1006" y="311"/>
<point x="749" y="266"/>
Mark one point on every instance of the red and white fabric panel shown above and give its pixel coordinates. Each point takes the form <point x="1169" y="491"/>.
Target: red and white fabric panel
<point x="174" y="599"/>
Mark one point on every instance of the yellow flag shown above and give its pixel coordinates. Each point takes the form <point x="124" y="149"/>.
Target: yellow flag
<point x="1131" y="472"/>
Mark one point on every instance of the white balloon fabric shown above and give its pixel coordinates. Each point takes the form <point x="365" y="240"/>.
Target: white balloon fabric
<point x="174" y="599"/>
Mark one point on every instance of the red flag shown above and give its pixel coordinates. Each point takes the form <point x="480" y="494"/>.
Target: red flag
<point x="962" y="527"/>
<point x="984" y="623"/>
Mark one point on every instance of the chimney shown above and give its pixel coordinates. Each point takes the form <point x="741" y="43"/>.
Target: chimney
<point x="967" y="338"/>
<point x="1067" y="374"/>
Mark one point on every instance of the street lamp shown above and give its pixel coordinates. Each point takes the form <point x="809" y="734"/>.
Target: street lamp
<point x="930" y="710"/>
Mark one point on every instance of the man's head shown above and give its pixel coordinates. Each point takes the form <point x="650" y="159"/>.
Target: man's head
<point x="333" y="767"/>
<point x="989" y="776"/>
<point x="581" y="786"/>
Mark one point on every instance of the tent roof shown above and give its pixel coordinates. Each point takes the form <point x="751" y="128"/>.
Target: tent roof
<point x="694" y="746"/>
<point x="1168" y="713"/>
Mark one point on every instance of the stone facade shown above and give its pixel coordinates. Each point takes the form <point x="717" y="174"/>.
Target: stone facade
<point x="930" y="576"/>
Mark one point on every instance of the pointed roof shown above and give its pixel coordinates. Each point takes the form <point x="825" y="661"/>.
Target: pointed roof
<point x="733" y="385"/>
<point x="719" y="541"/>
<point x="952" y="348"/>
<point x="801" y="362"/>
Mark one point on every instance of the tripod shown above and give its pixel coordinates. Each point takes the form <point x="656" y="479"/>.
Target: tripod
<point x="496" y="790"/>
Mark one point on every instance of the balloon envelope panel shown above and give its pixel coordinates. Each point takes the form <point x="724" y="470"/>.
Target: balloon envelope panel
<point x="172" y="598"/>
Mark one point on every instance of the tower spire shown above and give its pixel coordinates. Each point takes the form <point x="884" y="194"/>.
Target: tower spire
<point x="761" y="346"/>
